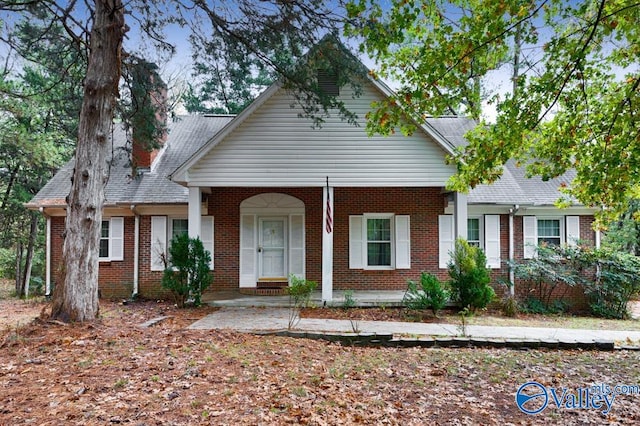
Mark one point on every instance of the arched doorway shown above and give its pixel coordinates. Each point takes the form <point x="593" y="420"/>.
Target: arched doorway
<point x="272" y="240"/>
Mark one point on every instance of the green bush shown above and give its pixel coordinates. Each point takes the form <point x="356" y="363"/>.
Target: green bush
<point x="187" y="273"/>
<point x="616" y="282"/>
<point x="470" y="277"/>
<point x="299" y="291"/>
<point x="428" y="294"/>
<point x="549" y="276"/>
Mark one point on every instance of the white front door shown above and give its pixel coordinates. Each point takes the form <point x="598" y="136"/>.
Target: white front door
<point x="272" y="247"/>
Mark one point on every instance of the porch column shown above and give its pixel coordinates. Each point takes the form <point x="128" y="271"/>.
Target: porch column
<point x="460" y="215"/>
<point x="195" y="213"/>
<point x="327" y="244"/>
<point x="47" y="251"/>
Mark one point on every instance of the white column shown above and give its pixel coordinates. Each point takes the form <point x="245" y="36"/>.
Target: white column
<point x="327" y="247"/>
<point x="195" y="211"/>
<point x="460" y="215"/>
<point x="47" y="272"/>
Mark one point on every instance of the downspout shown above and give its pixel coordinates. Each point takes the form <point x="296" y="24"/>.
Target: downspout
<point x="512" y="274"/>
<point x="47" y="255"/>
<point x="136" y="251"/>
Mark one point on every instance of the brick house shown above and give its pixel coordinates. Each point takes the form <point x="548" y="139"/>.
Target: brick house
<point x="270" y="196"/>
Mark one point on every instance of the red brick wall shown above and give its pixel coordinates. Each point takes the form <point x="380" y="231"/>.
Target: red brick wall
<point x="423" y="205"/>
<point x="115" y="278"/>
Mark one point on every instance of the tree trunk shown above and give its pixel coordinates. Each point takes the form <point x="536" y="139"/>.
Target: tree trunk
<point x="75" y="298"/>
<point x="19" y="269"/>
<point x="28" y="263"/>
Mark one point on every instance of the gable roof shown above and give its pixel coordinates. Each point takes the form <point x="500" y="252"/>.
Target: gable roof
<point x="186" y="135"/>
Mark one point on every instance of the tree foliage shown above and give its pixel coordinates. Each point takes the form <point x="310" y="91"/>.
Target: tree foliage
<point x="569" y="101"/>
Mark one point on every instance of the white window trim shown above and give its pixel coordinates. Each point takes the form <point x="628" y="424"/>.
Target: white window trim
<point x="560" y="219"/>
<point x="480" y="219"/>
<point x="392" y="237"/>
<point x="170" y="220"/>
<point x="112" y="240"/>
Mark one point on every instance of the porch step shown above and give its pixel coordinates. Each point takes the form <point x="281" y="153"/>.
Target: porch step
<point x="263" y="284"/>
<point x="265" y="291"/>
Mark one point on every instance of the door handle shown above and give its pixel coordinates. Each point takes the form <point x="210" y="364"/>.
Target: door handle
<point x="259" y="249"/>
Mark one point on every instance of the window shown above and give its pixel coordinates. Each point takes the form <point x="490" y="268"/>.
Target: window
<point x="111" y="239"/>
<point x="163" y="229"/>
<point x="482" y="232"/>
<point x="473" y="231"/>
<point x="379" y="242"/>
<point x="549" y="232"/>
<point x="179" y="227"/>
<point x="104" y="240"/>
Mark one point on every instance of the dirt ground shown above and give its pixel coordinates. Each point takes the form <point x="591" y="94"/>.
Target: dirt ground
<point x="112" y="371"/>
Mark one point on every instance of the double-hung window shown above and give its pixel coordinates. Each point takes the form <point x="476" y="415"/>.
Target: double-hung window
<point x="111" y="239"/>
<point x="164" y="229"/>
<point x="379" y="246"/>
<point x="473" y="231"/>
<point x="379" y="241"/>
<point x="549" y="232"/>
<point x="554" y="231"/>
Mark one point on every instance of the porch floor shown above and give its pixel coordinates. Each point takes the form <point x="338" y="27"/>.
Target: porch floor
<point x="361" y="298"/>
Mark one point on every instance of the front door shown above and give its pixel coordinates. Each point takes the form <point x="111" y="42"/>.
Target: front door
<point x="272" y="247"/>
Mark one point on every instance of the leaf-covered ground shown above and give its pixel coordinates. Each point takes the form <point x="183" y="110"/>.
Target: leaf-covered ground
<point x="114" y="372"/>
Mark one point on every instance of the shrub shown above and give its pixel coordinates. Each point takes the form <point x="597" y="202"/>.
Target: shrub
<point x="554" y="268"/>
<point x="349" y="300"/>
<point x="470" y="277"/>
<point x="187" y="273"/>
<point x="428" y="294"/>
<point x="299" y="292"/>
<point x="616" y="282"/>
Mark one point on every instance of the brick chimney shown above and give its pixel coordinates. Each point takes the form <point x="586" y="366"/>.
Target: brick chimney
<point x="148" y="137"/>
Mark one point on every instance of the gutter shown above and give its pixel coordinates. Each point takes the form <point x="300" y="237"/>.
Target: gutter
<point x="512" y="274"/>
<point x="136" y="252"/>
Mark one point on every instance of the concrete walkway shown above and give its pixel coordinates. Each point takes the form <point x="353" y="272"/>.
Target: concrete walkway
<point x="274" y="319"/>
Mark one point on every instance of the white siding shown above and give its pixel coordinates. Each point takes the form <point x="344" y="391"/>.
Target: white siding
<point x="274" y="147"/>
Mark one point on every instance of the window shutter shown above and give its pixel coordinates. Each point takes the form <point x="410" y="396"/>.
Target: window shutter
<point x="116" y="238"/>
<point x="530" y="236"/>
<point x="573" y="230"/>
<point x="356" y="242"/>
<point x="492" y="240"/>
<point x="446" y="240"/>
<point x="296" y="245"/>
<point x="206" y="236"/>
<point x="403" y="242"/>
<point x="248" y="250"/>
<point x="158" y="242"/>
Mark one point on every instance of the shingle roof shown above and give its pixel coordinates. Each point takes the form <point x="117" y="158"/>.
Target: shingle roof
<point x="186" y="135"/>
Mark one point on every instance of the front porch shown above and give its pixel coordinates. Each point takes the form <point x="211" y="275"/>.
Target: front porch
<point x="362" y="298"/>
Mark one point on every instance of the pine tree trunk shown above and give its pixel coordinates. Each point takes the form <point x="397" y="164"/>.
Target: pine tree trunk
<point x="75" y="298"/>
